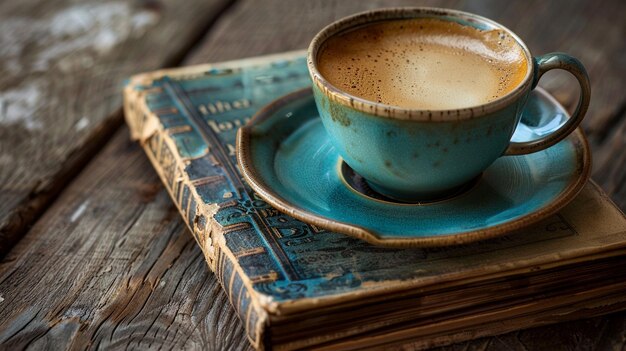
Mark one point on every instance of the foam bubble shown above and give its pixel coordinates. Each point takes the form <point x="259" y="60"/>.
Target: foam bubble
<point x="423" y="64"/>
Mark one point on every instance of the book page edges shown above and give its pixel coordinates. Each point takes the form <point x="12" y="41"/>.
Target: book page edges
<point x="543" y="311"/>
<point x="611" y="243"/>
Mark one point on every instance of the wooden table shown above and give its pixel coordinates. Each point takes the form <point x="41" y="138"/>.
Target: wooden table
<point x="95" y="254"/>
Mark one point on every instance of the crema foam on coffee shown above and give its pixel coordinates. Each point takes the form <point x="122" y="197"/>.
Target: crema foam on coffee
<point x="423" y="63"/>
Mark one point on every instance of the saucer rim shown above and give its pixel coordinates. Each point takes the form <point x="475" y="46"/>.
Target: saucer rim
<point x="252" y="177"/>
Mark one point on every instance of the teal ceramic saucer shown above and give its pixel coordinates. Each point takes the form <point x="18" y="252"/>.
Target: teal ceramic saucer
<point x="287" y="158"/>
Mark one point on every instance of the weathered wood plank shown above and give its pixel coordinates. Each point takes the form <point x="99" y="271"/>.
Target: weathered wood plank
<point x="112" y="265"/>
<point x="62" y="65"/>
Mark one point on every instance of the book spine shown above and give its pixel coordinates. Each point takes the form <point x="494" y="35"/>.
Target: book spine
<point x="161" y="150"/>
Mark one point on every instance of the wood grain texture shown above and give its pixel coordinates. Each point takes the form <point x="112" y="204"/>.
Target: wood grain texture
<point x="610" y="161"/>
<point x="62" y="67"/>
<point x="112" y="265"/>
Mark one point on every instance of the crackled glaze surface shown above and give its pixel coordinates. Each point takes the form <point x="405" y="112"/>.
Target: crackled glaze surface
<point x="416" y="159"/>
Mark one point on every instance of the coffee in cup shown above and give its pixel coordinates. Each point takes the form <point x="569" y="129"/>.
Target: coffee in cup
<point x="423" y="63"/>
<point x="419" y="101"/>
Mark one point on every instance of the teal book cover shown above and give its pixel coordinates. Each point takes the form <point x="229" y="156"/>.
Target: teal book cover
<point x="296" y="285"/>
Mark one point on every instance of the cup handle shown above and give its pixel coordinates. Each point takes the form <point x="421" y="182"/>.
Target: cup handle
<point x="543" y="64"/>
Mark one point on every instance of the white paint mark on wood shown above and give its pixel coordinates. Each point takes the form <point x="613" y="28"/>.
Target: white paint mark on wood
<point x="142" y="21"/>
<point x="81" y="124"/>
<point x="79" y="211"/>
<point x="162" y="283"/>
<point x="78" y="34"/>
<point x="1" y="299"/>
<point x="19" y="105"/>
<point x="79" y="312"/>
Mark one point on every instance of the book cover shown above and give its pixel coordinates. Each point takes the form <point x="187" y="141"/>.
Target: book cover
<point x="277" y="270"/>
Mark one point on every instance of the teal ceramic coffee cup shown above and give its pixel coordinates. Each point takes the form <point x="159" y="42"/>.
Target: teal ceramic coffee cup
<point x="415" y="155"/>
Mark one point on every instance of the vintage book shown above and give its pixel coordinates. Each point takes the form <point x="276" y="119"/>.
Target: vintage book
<point x="297" y="286"/>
